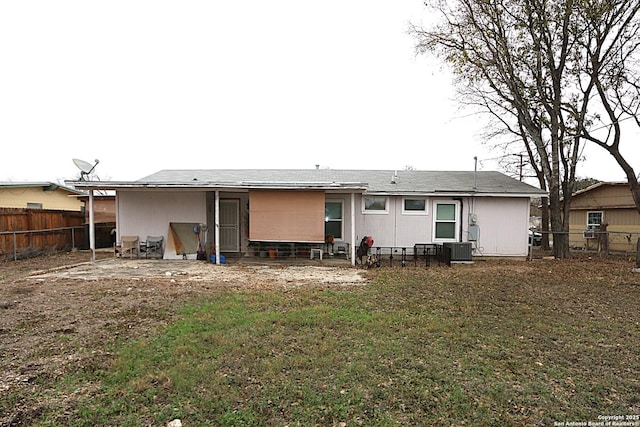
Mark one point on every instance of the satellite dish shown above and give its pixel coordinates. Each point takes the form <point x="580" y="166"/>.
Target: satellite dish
<point x="85" y="168"/>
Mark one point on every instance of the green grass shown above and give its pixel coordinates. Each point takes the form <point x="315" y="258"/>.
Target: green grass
<point x="416" y="347"/>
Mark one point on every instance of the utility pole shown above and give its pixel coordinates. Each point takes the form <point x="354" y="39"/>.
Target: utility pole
<point x="521" y="164"/>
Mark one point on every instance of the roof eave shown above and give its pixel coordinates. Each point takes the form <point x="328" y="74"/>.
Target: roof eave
<point x="201" y="185"/>
<point x="455" y="194"/>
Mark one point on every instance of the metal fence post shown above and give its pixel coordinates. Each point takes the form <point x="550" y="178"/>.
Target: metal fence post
<point x="531" y="248"/>
<point x="15" y="247"/>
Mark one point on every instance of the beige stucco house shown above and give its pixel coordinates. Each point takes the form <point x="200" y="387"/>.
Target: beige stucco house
<point x="39" y="195"/>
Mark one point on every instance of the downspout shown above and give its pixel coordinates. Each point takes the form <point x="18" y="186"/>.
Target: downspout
<point x="461" y="216"/>
<point x="473" y="191"/>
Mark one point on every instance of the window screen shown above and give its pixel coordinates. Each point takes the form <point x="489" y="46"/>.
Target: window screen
<point x="286" y="216"/>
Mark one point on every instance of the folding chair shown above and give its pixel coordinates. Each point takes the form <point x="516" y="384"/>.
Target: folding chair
<point x="129" y="246"/>
<point x="154" y="247"/>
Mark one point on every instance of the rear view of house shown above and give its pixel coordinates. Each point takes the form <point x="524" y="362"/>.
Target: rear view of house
<point x="240" y="209"/>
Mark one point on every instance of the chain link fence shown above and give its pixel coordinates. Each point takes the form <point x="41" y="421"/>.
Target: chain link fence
<point x="15" y="245"/>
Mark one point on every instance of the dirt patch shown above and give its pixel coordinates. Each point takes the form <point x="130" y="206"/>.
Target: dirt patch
<point x="241" y="276"/>
<point x="59" y="313"/>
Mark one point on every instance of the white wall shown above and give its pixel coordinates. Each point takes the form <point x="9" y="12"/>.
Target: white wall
<point x="503" y="225"/>
<point x="503" y="222"/>
<point x="148" y="213"/>
<point x="393" y="228"/>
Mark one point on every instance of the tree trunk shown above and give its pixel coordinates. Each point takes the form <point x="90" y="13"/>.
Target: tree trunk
<point x="560" y="236"/>
<point x="545" y="223"/>
<point x="544" y="201"/>
<point x="629" y="172"/>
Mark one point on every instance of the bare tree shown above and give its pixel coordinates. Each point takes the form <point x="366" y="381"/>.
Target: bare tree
<point x="611" y="46"/>
<point x="548" y="71"/>
<point x="511" y="58"/>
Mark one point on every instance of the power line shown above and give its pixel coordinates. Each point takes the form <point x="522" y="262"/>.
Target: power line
<point x="568" y="138"/>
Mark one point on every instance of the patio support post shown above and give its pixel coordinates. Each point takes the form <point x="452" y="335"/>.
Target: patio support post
<point x="353" y="229"/>
<point x="92" y="230"/>
<point x="217" y="226"/>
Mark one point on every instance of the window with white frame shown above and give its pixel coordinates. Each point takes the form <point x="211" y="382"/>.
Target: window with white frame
<point x="446" y="221"/>
<point x="333" y="214"/>
<point x="375" y="204"/>
<point x="594" y="219"/>
<point x="414" y="206"/>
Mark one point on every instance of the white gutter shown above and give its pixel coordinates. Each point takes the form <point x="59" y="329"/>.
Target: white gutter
<point x="453" y="194"/>
<point x="201" y="185"/>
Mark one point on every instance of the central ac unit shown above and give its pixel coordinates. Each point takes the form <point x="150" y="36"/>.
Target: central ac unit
<point x="460" y="251"/>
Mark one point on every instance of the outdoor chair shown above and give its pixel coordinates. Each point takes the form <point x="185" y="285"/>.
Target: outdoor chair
<point x="153" y="247"/>
<point x="129" y="246"/>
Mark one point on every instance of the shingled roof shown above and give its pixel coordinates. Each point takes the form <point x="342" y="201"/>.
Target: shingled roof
<point x="372" y="181"/>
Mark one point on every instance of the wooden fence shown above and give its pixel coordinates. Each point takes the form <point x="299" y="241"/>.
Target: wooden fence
<point x="28" y="232"/>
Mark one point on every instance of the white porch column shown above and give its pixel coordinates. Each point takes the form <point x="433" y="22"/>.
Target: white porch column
<point x="92" y="230"/>
<point x="217" y="226"/>
<point x="353" y="229"/>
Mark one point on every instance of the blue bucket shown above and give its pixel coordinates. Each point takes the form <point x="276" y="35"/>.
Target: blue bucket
<point x="223" y="260"/>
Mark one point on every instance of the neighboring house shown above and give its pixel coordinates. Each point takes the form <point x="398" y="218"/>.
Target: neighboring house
<point x="39" y="195"/>
<point x="398" y="209"/>
<point x="29" y="206"/>
<point x="604" y="202"/>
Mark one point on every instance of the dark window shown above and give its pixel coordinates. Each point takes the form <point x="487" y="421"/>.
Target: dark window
<point x="594" y="219"/>
<point x="333" y="219"/>
<point x="415" y="205"/>
<point x="375" y="203"/>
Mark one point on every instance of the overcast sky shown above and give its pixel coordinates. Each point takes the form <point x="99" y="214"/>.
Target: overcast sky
<point x="150" y="85"/>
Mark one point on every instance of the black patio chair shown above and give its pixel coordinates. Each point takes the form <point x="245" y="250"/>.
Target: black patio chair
<point x="153" y="247"/>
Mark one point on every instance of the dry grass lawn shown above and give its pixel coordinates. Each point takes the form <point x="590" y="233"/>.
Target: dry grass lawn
<point x="493" y="343"/>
